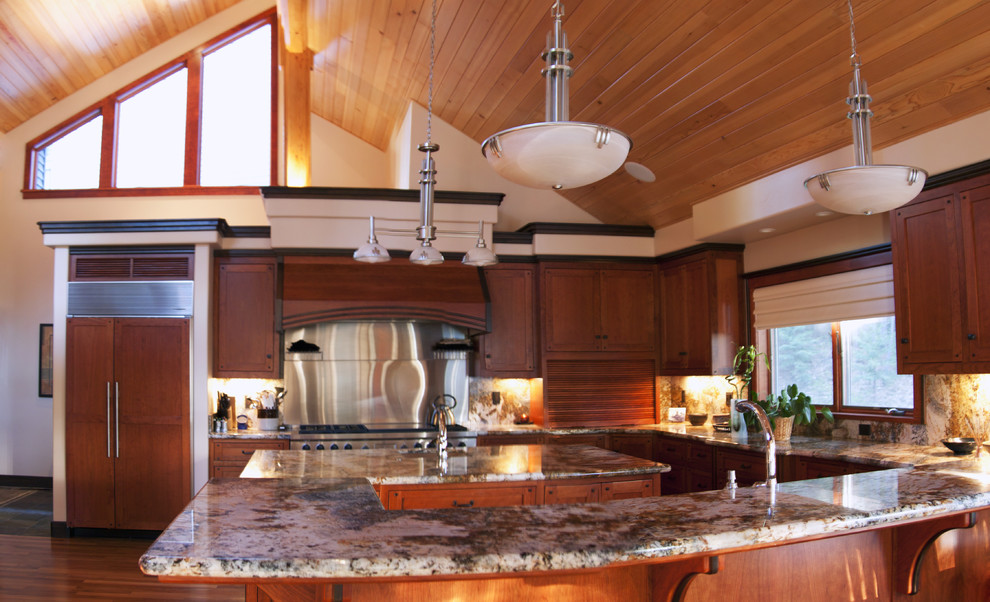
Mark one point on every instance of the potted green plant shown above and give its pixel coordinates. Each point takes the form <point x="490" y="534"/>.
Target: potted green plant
<point x="791" y="407"/>
<point x="741" y="378"/>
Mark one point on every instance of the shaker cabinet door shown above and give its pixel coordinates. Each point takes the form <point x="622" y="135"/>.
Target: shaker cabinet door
<point x="974" y="206"/>
<point x="927" y="284"/>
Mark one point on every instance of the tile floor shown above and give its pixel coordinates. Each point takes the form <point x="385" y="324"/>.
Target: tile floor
<point x="25" y="511"/>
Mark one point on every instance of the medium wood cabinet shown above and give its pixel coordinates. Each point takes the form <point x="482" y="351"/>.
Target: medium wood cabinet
<point x="639" y="445"/>
<point x="245" y="343"/>
<point x="511" y="439"/>
<point x="691" y="465"/>
<point x="941" y="257"/>
<point x="228" y="457"/>
<point x="127" y="422"/>
<point x="816" y="468"/>
<point x="701" y="316"/>
<point x="592" y="439"/>
<point x="510" y="349"/>
<point x="467" y="495"/>
<point x="598" y="308"/>
<point x="750" y="467"/>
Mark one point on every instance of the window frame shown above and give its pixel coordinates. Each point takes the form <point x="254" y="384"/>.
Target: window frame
<point x="864" y="258"/>
<point x="108" y="107"/>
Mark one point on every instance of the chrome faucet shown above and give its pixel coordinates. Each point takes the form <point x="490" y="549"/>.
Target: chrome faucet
<point x="742" y="405"/>
<point x="442" y="442"/>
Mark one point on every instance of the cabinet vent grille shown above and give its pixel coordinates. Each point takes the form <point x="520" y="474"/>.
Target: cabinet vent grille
<point x="131" y="298"/>
<point x="600" y="392"/>
<point x="126" y="267"/>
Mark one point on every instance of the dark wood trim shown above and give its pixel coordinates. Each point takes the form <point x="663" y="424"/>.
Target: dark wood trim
<point x="27" y="482"/>
<point x="702" y="248"/>
<point x="517" y="259"/>
<point x="139" y="192"/>
<point x="128" y="250"/>
<point x="512" y="238"/>
<point x="594" y="258"/>
<point x="588" y="229"/>
<point x="165" y="225"/>
<point x="958" y="175"/>
<point x="380" y="194"/>
<point x="244" y="253"/>
<point x="866" y="257"/>
<point x="249" y="232"/>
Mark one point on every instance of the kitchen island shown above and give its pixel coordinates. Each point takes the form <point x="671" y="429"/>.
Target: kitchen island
<point x="856" y="537"/>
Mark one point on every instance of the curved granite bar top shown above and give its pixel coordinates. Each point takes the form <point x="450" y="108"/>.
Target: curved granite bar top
<point x="463" y="465"/>
<point x="336" y="528"/>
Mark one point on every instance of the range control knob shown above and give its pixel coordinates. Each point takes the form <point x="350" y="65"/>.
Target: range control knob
<point x="305" y="446"/>
<point x="418" y="445"/>
<point x="319" y="446"/>
<point x="334" y="446"/>
<point x="348" y="446"/>
<point x="365" y="446"/>
<point x="431" y="444"/>
<point x="462" y="444"/>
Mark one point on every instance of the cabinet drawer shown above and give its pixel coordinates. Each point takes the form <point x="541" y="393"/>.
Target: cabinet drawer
<point x="412" y="498"/>
<point x="672" y="451"/>
<point x="674" y="482"/>
<point x="750" y="467"/>
<point x="524" y="439"/>
<point x="813" y="468"/>
<point x="699" y="480"/>
<point x="595" y="440"/>
<point x="572" y="493"/>
<point x="624" y="490"/>
<point x="699" y="457"/>
<point x="240" y="451"/>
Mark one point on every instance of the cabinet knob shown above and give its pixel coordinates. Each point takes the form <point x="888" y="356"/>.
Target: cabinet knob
<point x="268" y="356"/>
<point x="904" y="341"/>
<point x="604" y="336"/>
<point x="971" y="336"/>
<point x="682" y="353"/>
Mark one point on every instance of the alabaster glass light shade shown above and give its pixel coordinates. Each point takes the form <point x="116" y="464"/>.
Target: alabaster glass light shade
<point x="426" y="254"/>
<point x="556" y="155"/>
<point x="866" y="189"/>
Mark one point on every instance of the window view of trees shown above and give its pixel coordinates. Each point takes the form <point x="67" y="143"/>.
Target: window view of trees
<point x="862" y="353"/>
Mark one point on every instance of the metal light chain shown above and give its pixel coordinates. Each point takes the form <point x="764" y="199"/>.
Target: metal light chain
<point x="429" y="101"/>
<point x="852" y="34"/>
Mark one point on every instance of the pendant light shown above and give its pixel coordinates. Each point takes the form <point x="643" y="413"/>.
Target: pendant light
<point x="864" y="188"/>
<point x="556" y="153"/>
<point x="426" y="254"/>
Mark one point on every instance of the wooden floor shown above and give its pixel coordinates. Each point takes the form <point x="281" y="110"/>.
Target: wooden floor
<point x="77" y="568"/>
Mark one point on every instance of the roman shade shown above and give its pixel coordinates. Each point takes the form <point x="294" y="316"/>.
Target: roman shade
<point x="866" y="293"/>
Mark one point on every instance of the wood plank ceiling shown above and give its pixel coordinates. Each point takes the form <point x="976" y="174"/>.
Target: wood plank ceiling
<point x="714" y="93"/>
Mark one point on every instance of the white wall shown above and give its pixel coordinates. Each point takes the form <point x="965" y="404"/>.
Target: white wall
<point x="26" y="272"/>
<point x="338" y="158"/>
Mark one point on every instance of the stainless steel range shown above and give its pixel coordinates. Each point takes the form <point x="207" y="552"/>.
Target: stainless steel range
<point x="367" y="385"/>
<point x="333" y="437"/>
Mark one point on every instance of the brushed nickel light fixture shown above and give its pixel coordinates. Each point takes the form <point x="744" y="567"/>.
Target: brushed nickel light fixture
<point x="426" y="254"/>
<point x="864" y="188"/>
<point x="556" y="153"/>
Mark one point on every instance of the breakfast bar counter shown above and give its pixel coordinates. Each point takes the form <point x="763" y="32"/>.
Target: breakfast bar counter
<point x="330" y="537"/>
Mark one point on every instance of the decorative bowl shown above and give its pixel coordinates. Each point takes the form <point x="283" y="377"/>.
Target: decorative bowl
<point x="697" y="419"/>
<point x="960" y="445"/>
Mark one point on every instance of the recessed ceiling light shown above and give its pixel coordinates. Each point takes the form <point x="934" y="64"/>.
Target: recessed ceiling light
<point x="823" y="213"/>
<point x="767" y="230"/>
<point x="640" y="172"/>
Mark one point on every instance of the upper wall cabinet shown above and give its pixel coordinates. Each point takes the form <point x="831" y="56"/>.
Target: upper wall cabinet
<point x="941" y="255"/>
<point x="245" y="344"/>
<point x="602" y="308"/>
<point x="509" y="349"/>
<point x="701" y="318"/>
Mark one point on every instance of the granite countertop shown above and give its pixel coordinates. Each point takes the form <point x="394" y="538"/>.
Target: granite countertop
<point x="336" y="528"/>
<point x="875" y="453"/>
<point x="464" y="465"/>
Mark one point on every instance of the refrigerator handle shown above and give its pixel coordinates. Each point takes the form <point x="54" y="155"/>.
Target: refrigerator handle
<point x="116" y="415"/>
<point x="108" y="419"/>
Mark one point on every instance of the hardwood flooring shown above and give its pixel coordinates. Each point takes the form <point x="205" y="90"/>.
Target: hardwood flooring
<point x="35" y="566"/>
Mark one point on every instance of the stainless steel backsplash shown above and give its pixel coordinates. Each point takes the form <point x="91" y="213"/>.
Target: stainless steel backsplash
<point x="373" y="372"/>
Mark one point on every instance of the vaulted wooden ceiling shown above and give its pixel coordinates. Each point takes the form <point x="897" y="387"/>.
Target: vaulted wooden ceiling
<point x="714" y="93"/>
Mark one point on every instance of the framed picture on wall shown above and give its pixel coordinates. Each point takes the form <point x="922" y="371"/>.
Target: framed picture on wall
<point x="45" y="361"/>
